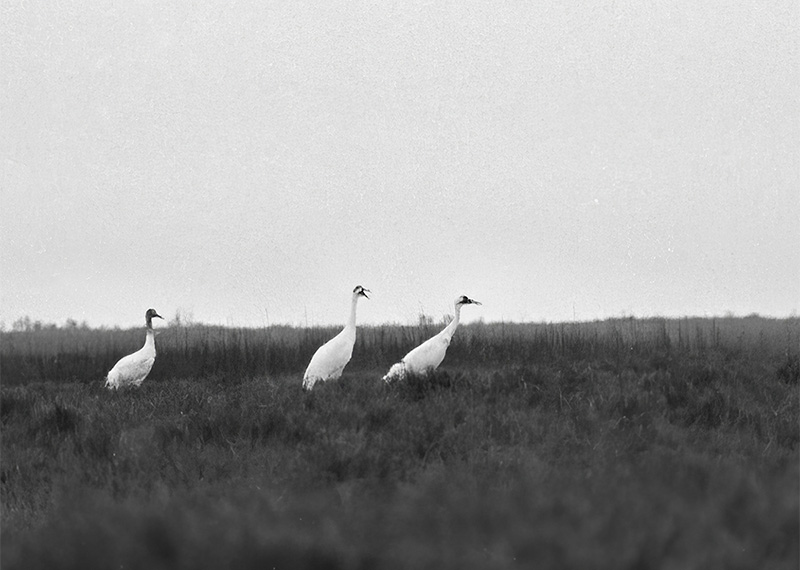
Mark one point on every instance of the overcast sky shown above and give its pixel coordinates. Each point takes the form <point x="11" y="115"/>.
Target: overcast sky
<point x="249" y="163"/>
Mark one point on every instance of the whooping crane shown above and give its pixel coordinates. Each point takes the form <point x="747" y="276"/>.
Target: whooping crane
<point x="131" y="370"/>
<point x="427" y="356"/>
<point x="330" y="359"/>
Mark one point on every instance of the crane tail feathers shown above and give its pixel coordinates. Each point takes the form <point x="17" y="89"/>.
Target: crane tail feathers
<point x="396" y="372"/>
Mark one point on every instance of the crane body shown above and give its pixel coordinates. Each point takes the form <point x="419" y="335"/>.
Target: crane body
<point x="131" y="370"/>
<point x="429" y="355"/>
<point x="330" y="359"/>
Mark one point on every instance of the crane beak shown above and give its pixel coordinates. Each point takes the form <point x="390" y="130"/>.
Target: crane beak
<point x="159" y="316"/>
<point x="474" y="302"/>
<point x="364" y="292"/>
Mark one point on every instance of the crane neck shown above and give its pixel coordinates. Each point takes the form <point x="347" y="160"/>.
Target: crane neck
<point x="453" y="325"/>
<point x="351" y="322"/>
<point x="150" y="338"/>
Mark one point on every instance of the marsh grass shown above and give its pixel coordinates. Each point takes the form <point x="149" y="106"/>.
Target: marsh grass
<point x="603" y="445"/>
<point x="198" y="351"/>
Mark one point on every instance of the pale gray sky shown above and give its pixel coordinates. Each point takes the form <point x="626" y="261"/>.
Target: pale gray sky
<point x="251" y="162"/>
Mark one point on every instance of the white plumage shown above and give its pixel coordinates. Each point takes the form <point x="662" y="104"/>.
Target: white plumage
<point x="131" y="370"/>
<point x="330" y="359"/>
<point x="429" y="355"/>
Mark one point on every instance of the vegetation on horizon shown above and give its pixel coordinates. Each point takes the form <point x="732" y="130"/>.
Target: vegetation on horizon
<point x="77" y="354"/>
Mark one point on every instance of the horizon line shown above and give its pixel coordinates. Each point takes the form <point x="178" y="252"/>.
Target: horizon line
<point x="33" y="325"/>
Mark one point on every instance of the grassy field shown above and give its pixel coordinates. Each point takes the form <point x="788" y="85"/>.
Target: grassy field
<point x="616" y="444"/>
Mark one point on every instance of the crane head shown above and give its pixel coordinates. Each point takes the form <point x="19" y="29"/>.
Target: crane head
<point x="152" y="313"/>
<point x="464" y="300"/>
<point x="359" y="290"/>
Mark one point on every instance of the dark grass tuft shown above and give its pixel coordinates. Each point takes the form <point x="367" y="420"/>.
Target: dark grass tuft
<point x="58" y="420"/>
<point x="789" y="371"/>
<point x="17" y="402"/>
<point x="414" y="387"/>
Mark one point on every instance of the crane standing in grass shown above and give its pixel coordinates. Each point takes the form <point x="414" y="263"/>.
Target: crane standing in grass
<point x="330" y="359"/>
<point x="131" y="370"/>
<point x="427" y="356"/>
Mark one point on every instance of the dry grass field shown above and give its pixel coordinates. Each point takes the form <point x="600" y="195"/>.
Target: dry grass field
<point x="616" y="444"/>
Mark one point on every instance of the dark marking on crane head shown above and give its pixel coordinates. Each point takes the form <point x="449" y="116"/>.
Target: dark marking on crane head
<point x="359" y="290"/>
<point x="464" y="300"/>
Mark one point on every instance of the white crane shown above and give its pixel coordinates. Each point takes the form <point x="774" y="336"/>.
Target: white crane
<point x="427" y="356"/>
<point x="131" y="370"/>
<point x="331" y="358"/>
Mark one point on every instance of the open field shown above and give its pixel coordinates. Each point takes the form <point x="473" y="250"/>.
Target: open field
<point x="617" y="444"/>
